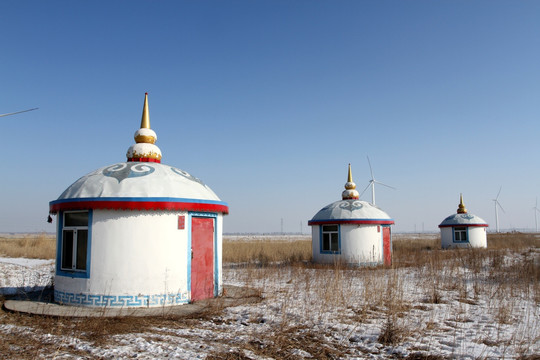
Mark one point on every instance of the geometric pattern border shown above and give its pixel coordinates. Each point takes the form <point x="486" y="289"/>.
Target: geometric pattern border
<point x="120" y="300"/>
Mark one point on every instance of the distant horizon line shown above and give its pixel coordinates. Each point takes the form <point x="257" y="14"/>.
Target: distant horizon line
<point x="277" y="233"/>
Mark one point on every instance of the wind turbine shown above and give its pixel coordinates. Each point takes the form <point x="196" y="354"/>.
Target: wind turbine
<point x="496" y="201"/>
<point x="372" y="183"/>
<point x="18" y="112"/>
<point x="535" y="208"/>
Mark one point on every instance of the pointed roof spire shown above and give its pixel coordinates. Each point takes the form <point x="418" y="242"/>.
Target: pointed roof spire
<point x="350" y="192"/>
<point x="461" y="208"/>
<point x="145" y="120"/>
<point x="144" y="150"/>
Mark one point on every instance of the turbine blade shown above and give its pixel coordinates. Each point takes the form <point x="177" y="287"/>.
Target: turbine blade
<point x="500" y="206"/>
<point x="380" y="183"/>
<point x="499" y="193"/>
<point x="370" y="169"/>
<point x="17" y="112"/>
<point x="362" y="193"/>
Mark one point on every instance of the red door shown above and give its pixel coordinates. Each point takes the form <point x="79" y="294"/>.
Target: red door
<point x="387" y="246"/>
<point x="202" y="258"/>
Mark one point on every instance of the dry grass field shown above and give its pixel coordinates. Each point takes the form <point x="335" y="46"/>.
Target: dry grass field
<point x="273" y="249"/>
<point x="37" y="246"/>
<point x="431" y="304"/>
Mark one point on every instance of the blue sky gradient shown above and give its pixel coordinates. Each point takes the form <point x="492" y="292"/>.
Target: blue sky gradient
<point x="268" y="101"/>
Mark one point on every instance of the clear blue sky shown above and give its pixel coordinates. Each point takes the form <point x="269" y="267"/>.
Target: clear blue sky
<point x="268" y="101"/>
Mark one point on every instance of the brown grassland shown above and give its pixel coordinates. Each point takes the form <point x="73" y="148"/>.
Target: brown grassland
<point x="438" y="273"/>
<point x="38" y="246"/>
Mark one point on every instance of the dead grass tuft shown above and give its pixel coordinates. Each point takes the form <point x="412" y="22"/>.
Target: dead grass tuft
<point x="422" y="356"/>
<point x="391" y="334"/>
<point x="227" y="355"/>
<point x="286" y="343"/>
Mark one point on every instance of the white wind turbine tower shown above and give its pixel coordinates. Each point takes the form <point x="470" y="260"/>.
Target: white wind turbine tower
<point x="496" y="201"/>
<point x="372" y="183"/>
<point x="536" y="210"/>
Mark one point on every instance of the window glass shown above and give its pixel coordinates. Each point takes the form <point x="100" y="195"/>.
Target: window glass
<point x="74" y="241"/>
<point x="330" y="228"/>
<point x="82" y="240"/>
<point x="335" y="242"/>
<point x="67" y="249"/>
<point x="460" y="234"/>
<point x="79" y="218"/>
<point x="326" y="242"/>
<point x="330" y="238"/>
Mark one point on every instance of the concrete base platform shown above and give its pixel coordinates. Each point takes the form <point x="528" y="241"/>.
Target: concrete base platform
<point x="232" y="296"/>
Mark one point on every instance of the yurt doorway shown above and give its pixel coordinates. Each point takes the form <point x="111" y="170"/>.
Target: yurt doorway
<point x="202" y="258"/>
<point x="387" y="246"/>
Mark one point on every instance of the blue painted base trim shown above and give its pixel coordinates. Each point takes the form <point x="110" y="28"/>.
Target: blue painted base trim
<point x="120" y="300"/>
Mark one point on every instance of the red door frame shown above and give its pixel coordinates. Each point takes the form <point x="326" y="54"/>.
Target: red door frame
<point x="387" y="246"/>
<point x="202" y="257"/>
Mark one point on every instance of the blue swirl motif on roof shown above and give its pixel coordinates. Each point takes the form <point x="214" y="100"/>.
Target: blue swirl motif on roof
<point x="128" y="170"/>
<point x="186" y="175"/>
<point x="351" y="205"/>
<point x="467" y="216"/>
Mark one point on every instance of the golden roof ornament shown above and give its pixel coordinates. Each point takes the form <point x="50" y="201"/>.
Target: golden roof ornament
<point x="145" y="119"/>
<point x="350" y="192"/>
<point x="461" y="208"/>
<point x="144" y="150"/>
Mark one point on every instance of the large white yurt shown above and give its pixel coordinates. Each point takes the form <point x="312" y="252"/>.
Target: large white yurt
<point x="351" y="231"/>
<point x="463" y="230"/>
<point x="138" y="233"/>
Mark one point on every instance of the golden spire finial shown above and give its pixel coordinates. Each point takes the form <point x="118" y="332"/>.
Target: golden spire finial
<point x="145" y="120"/>
<point x="461" y="208"/>
<point x="144" y="149"/>
<point x="350" y="186"/>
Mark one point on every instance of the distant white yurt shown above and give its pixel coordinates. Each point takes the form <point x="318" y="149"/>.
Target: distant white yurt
<point x="463" y="230"/>
<point x="138" y="233"/>
<point x="351" y="231"/>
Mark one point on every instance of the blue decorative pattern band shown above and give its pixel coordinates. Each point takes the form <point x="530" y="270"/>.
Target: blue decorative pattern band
<point x="120" y="300"/>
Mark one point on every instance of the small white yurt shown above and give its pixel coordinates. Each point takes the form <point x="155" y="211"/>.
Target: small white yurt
<point x="351" y="231"/>
<point x="138" y="233"/>
<point x="463" y="230"/>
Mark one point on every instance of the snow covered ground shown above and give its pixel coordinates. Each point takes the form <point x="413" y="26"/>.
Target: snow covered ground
<point x="24" y="275"/>
<point x="307" y="312"/>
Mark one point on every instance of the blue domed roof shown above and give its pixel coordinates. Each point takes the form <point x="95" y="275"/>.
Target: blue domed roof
<point x="136" y="185"/>
<point x="463" y="220"/>
<point x="351" y="211"/>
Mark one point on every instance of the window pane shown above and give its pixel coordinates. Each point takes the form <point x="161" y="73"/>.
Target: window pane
<point x="330" y="228"/>
<point x="326" y="242"/>
<point x="79" y="218"/>
<point x="460" y="234"/>
<point x="82" y="240"/>
<point x="335" y="242"/>
<point x="67" y="249"/>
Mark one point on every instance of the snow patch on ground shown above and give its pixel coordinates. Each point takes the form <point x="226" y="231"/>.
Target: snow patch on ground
<point x="24" y="275"/>
<point x="317" y="312"/>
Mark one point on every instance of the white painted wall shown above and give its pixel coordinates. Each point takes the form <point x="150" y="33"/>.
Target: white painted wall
<point x="476" y="234"/>
<point x="360" y="245"/>
<point x="138" y="253"/>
